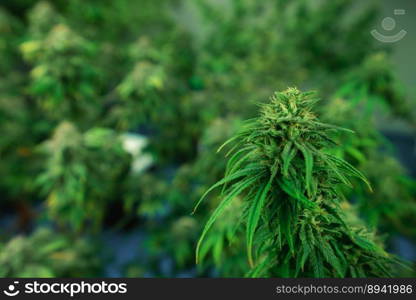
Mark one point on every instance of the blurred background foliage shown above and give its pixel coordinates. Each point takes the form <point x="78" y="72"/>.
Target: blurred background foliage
<point x="111" y="113"/>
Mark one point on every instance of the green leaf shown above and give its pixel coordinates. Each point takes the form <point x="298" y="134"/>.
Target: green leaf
<point x="330" y="256"/>
<point x="288" y="154"/>
<point x="291" y="190"/>
<point x="235" y="158"/>
<point x="260" y="268"/>
<point x="336" y="170"/>
<point x="235" y="166"/>
<point x="239" y="188"/>
<point x="245" y="172"/>
<point x="286" y="225"/>
<point x="317" y="264"/>
<point x="227" y="142"/>
<point x="254" y="216"/>
<point x="350" y="169"/>
<point x="330" y="126"/>
<point x="308" y="167"/>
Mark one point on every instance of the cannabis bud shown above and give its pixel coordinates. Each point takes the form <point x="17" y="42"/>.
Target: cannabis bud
<point x="289" y="182"/>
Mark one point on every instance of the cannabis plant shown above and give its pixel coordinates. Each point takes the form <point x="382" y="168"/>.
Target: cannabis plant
<point x="9" y="29"/>
<point x="393" y="201"/>
<point x="281" y="167"/>
<point x="375" y="80"/>
<point x="62" y="77"/>
<point x="80" y="174"/>
<point x="85" y="83"/>
<point x="56" y="255"/>
<point x="247" y="45"/>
